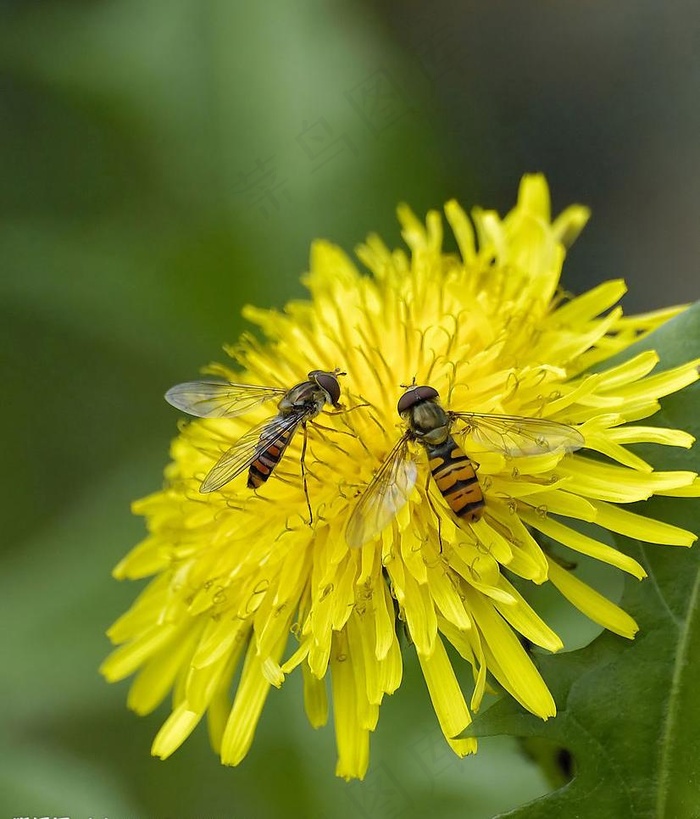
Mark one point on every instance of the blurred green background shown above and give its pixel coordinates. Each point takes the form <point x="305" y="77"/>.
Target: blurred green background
<point x="164" y="163"/>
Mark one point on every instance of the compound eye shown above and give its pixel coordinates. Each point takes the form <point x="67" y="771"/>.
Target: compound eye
<point x="413" y="396"/>
<point x="327" y="382"/>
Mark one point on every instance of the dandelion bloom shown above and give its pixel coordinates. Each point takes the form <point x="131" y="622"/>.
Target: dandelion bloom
<point x="241" y="580"/>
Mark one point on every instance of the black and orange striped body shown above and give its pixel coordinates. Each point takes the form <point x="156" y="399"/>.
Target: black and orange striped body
<point x="429" y="424"/>
<point x="456" y="479"/>
<point x="263" y="466"/>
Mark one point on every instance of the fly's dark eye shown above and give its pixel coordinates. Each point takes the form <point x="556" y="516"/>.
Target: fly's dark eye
<point x="327" y="382"/>
<point x="413" y="396"/>
<point x="407" y="400"/>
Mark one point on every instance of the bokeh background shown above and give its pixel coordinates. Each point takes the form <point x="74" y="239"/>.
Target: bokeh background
<point x="164" y="162"/>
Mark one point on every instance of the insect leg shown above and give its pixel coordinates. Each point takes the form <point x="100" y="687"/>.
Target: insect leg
<point x="345" y="410"/>
<point x="303" y="474"/>
<point x="435" y="512"/>
<point x="332" y="429"/>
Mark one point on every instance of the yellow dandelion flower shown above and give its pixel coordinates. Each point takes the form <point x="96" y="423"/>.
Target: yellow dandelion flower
<point x="251" y="583"/>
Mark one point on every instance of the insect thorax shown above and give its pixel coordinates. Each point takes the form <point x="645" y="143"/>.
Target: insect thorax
<point x="306" y="396"/>
<point x="429" y="423"/>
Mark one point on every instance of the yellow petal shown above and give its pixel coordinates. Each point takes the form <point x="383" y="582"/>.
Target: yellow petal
<point x="463" y="231"/>
<point x="569" y="224"/>
<point x="315" y="699"/>
<point x="591" y="603"/>
<point x="585" y="545"/>
<point x="175" y="730"/>
<point x="127" y="658"/>
<point x="612" y="483"/>
<point x="508" y="661"/>
<point x="445" y="693"/>
<point x="352" y="740"/>
<point x="157" y="676"/>
<point x="248" y="703"/>
<point x="525" y="621"/>
<point x="640" y="527"/>
<point x="589" y="305"/>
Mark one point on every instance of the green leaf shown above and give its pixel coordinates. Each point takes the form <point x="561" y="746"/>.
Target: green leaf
<point x="629" y="713"/>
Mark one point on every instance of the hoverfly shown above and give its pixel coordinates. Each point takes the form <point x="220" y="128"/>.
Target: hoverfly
<point x="453" y="471"/>
<point x="261" y="449"/>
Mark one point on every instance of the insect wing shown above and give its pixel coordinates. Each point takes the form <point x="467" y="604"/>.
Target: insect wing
<point x="516" y="435"/>
<point x="387" y="492"/>
<point x="219" y="399"/>
<point x="248" y="449"/>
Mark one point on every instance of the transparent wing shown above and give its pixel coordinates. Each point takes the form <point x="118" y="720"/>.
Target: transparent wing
<point x="246" y="450"/>
<point x="219" y="399"/>
<point x="386" y="493"/>
<point x="516" y="435"/>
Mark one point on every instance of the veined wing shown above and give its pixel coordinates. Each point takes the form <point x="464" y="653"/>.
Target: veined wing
<point x="250" y="447"/>
<point x="386" y="493"/>
<point x="219" y="399"/>
<point x="516" y="435"/>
